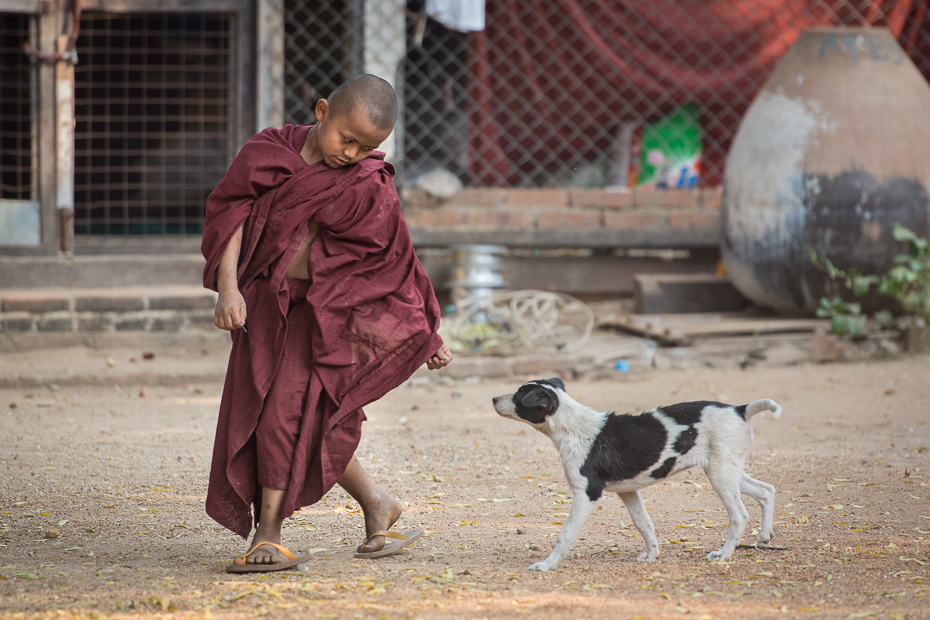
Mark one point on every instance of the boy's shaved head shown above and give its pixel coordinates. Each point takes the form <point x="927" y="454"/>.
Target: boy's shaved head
<point x="375" y="96"/>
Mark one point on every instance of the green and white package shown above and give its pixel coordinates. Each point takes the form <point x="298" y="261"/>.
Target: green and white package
<point x="671" y="151"/>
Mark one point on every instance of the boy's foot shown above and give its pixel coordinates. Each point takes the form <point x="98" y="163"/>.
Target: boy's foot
<point x="380" y="515"/>
<point x="265" y="555"/>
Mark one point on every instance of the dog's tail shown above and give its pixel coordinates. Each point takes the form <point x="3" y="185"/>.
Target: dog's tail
<point x="764" y="404"/>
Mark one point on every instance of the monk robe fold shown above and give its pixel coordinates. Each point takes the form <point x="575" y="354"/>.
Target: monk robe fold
<point x="374" y="311"/>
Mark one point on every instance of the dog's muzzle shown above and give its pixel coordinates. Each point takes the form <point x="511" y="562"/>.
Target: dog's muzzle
<point x="503" y="405"/>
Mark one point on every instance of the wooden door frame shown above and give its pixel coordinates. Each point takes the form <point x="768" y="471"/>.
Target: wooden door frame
<point x="49" y="20"/>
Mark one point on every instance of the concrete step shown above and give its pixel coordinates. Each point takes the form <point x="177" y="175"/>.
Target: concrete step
<point x="157" y="308"/>
<point x="576" y="272"/>
<point x="103" y="271"/>
<point x="671" y="293"/>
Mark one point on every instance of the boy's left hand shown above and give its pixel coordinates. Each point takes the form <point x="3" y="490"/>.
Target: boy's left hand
<point x="442" y="359"/>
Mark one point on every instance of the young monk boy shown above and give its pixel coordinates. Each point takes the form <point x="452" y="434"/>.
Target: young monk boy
<point x="329" y="309"/>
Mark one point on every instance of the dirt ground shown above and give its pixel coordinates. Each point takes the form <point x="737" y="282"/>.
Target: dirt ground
<point x="101" y="507"/>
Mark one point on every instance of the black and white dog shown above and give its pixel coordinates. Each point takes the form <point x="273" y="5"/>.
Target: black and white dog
<point x="624" y="453"/>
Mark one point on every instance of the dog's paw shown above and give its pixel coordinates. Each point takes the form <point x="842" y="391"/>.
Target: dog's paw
<point x="540" y="566"/>
<point x="717" y="556"/>
<point x="764" y="541"/>
<point x="645" y="557"/>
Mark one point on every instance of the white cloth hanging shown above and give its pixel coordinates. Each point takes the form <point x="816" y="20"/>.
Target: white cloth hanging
<point x="461" y="15"/>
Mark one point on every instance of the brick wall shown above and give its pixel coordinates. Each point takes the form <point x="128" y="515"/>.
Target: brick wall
<point x="559" y="217"/>
<point x="106" y="310"/>
<point x="571" y="216"/>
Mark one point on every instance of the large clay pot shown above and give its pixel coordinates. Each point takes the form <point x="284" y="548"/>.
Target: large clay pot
<point x="833" y="151"/>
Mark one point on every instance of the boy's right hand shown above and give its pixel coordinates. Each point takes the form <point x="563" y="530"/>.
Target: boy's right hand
<point x="230" y="310"/>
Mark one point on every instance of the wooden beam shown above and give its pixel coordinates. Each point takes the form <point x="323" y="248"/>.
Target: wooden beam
<point x="163" y="6"/>
<point x="680" y="330"/>
<point x="28" y="7"/>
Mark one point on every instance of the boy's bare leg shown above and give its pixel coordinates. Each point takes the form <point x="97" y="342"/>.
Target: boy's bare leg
<point x="381" y="510"/>
<point x="269" y="528"/>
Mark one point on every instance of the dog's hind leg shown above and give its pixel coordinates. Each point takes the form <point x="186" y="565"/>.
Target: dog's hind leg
<point x="726" y="482"/>
<point x="634" y="503"/>
<point x="581" y="508"/>
<point x="764" y="493"/>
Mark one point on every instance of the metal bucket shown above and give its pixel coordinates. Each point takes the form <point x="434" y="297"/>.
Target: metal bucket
<point x="476" y="273"/>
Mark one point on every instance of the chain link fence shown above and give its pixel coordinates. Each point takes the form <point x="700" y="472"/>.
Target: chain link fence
<point x="17" y="88"/>
<point x="320" y="52"/>
<point x="578" y="92"/>
<point x="581" y="93"/>
<point x="151" y="121"/>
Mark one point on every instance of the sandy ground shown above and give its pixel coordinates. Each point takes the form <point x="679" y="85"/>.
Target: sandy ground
<point x="101" y="507"/>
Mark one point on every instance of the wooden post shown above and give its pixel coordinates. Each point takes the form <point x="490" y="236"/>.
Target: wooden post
<point x="270" y="64"/>
<point x="64" y="106"/>
<point x="619" y="169"/>
<point x="384" y="49"/>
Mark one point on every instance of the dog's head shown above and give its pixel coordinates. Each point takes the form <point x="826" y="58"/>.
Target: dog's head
<point x="533" y="403"/>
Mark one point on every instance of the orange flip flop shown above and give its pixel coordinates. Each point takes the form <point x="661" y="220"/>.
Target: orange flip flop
<point x="401" y="541"/>
<point x="290" y="562"/>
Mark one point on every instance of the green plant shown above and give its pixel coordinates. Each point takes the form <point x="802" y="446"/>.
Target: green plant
<point x="908" y="282"/>
<point x="858" y="283"/>
<point x="845" y="318"/>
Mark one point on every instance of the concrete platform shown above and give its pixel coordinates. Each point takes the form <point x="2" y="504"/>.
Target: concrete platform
<point x="664" y="293"/>
<point x="131" y="360"/>
<point x="572" y="271"/>
<point x="105" y="271"/>
<point x="158" y="308"/>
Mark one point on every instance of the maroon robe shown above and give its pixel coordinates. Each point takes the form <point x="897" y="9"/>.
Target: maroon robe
<point x="374" y="320"/>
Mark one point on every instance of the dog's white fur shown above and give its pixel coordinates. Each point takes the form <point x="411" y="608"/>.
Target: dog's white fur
<point x="722" y="442"/>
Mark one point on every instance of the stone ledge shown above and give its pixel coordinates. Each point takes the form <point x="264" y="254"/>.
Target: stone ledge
<point x="144" y="321"/>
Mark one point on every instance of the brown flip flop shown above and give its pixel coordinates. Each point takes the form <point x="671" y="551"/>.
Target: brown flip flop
<point x="290" y="562"/>
<point x="402" y="540"/>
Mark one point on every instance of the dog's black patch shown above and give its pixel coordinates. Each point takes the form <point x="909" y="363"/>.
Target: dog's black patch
<point x="741" y="411"/>
<point x="685" y="440"/>
<point x="688" y="414"/>
<point x="626" y="447"/>
<point x="666" y="467"/>
<point x="533" y="402"/>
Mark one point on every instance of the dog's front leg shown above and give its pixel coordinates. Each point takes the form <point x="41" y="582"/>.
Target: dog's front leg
<point x="581" y="508"/>
<point x="634" y="503"/>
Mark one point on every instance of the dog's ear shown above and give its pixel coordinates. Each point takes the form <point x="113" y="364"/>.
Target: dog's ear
<point x="534" y="402"/>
